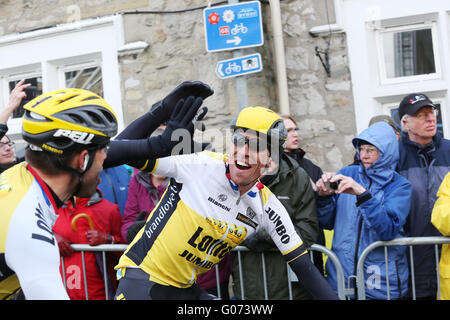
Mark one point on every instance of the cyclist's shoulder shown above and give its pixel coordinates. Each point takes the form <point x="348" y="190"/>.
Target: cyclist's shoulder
<point x="217" y="156"/>
<point x="265" y="193"/>
<point x="14" y="182"/>
<point x="19" y="192"/>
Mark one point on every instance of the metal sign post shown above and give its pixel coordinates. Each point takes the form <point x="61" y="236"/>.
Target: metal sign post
<point x="230" y="27"/>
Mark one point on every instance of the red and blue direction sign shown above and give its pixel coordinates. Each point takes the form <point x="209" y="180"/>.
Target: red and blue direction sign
<point x="239" y="66"/>
<point x="233" y="26"/>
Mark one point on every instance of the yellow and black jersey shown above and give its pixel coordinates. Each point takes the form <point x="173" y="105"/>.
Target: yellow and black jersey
<point x="29" y="254"/>
<point x="200" y="218"/>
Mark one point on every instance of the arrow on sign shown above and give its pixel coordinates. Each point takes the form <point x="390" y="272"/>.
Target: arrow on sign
<point x="219" y="70"/>
<point x="236" y="40"/>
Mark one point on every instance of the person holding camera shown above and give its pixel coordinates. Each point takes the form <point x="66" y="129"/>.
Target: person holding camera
<point x="366" y="203"/>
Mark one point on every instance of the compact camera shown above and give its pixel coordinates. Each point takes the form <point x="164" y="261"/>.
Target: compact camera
<point x="332" y="185"/>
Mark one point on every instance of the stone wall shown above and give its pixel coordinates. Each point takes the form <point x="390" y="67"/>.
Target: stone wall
<point x="322" y="105"/>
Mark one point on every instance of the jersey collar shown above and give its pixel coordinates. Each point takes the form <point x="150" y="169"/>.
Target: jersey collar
<point x="50" y="196"/>
<point x="252" y="192"/>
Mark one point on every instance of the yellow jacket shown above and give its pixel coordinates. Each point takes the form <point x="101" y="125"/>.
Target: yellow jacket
<point x="440" y="218"/>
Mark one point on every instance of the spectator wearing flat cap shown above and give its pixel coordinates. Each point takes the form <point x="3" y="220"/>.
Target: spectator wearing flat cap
<point x="424" y="161"/>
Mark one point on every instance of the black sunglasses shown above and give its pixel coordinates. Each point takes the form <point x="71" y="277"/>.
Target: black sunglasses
<point x="254" y="144"/>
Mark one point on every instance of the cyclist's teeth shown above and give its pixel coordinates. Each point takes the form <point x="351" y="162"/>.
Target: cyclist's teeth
<point x="242" y="164"/>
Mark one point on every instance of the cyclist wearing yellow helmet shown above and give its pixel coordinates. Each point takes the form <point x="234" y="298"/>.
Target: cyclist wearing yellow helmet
<point x="69" y="132"/>
<point x="212" y="204"/>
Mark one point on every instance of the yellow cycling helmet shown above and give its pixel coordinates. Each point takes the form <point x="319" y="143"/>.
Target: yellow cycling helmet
<point x="263" y="121"/>
<point x="66" y="120"/>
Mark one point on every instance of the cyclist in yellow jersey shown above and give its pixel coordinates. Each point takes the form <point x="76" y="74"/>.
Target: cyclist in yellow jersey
<point x="213" y="202"/>
<point x="68" y="132"/>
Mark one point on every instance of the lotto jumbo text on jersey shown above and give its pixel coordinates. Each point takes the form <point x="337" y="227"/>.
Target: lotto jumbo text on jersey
<point x="200" y="218"/>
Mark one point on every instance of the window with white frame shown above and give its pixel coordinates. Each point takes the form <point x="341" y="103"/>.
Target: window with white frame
<point x="87" y="77"/>
<point x="408" y="53"/>
<point x="83" y="55"/>
<point x="32" y="91"/>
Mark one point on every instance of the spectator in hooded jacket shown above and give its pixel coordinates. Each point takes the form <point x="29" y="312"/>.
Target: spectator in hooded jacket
<point x="371" y="204"/>
<point x="424" y="161"/>
<point x="440" y="218"/>
<point x="90" y="221"/>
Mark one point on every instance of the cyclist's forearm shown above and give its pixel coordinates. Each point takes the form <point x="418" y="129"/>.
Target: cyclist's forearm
<point x="135" y="152"/>
<point x="311" y="279"/>
<point x="144" y="126"/>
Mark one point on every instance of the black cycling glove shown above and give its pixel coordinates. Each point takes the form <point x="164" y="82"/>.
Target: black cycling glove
<point x="179" y="130"/>
<point x="183" y="91"/>
<point x="162" y="110"/>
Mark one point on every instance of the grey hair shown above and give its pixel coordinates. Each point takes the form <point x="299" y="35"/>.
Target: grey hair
<point x="405" y="117"/>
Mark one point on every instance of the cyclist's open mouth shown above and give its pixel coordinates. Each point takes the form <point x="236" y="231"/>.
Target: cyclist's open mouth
<point x="242" y="165"/>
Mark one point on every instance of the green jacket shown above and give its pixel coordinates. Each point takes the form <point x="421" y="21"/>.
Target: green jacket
<point x="292" y="186"/>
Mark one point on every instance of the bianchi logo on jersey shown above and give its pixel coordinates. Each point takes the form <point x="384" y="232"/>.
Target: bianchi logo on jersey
<point x="217" y="203"/>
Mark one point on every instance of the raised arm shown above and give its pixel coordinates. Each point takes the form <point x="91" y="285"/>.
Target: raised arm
<point x="16" y="96"/>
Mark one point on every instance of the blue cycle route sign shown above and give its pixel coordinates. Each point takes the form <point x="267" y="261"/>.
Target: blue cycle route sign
<point x="233" y="26"/>
<point x="239" y="66"/>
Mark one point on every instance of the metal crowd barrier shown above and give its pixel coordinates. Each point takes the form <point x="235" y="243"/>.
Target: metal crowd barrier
<point x="103" y="248"/>
<point x="122" y="247"/>
<point x="410" y="242"/>
<point x="315" y="247"/>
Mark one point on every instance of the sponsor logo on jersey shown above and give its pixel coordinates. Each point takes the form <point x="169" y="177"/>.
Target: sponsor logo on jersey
<point x="205" y="243"/>
<point x="279" y="226"/>
<point x="217" y="203"/>
<point x="155" y="223"/>
<point x="246" y="220"/>
<point x="47" y="234"/>
<point x="250" y="213"/>
<point x="165" y="207"/>
<point x="235" y="234"/>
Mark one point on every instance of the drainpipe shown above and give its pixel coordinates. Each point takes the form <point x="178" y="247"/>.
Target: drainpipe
<point x="280" y="64"/>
